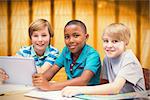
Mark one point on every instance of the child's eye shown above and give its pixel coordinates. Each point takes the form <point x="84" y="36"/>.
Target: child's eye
<point x="105" y="41"/>
<point x="115" y="41"/>
<point x="76" y="35"/>
<point x="44" y="35"/>
<point x="35" y="35"/>
<point x="66" y="37"/>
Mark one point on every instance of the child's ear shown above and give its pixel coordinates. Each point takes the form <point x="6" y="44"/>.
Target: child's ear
<point x="126" y="43"/>
<point x="87" y="35"/>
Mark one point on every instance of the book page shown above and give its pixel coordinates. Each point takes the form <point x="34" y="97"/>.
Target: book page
<point x="52" y="95"/>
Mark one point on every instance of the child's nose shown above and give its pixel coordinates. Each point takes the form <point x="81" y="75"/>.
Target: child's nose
<point x="110" y="44"/>
<point x="71" y="39"/>
<point x="39" y="38"/>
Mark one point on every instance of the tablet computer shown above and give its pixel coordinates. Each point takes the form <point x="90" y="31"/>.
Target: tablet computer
<point x="19" y="69"/>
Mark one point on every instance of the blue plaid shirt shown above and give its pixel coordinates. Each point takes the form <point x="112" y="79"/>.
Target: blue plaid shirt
<point x="49" y="56"/>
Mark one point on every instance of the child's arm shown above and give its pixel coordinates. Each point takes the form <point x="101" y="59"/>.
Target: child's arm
<point x="80" y="81"/>
<point x="43" y="68"/>
<point x="42" y="80"/>
<point x="110" y="88"/>
<point x="48" y="62"/>
<point x="50" y="73"/>
<point x="103" y="81"/>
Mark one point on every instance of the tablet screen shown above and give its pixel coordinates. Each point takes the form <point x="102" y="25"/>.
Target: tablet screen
<point x="19" y="69"/>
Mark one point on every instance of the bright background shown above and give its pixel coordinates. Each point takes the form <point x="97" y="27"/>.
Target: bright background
<point x="16" y="15"/>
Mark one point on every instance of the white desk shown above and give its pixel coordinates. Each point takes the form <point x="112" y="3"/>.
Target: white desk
<point x="19" y="95"/>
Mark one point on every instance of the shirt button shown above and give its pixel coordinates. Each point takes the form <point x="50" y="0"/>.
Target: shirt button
<point x="72" y="65"/>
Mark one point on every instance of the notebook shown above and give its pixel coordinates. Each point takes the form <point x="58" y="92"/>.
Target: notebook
<point x="48" y="95"/>
<point x="19" y="69"/>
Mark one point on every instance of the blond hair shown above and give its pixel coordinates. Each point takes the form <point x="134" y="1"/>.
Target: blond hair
<point x="118" y="31"/>
<point x="38" y="25"/>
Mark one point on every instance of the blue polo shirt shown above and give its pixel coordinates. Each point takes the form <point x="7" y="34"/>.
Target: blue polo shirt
<point x="89" y="59"/>
<point x="49" y="55"/>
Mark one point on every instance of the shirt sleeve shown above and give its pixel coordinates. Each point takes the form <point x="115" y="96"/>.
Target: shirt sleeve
<point x="93" y="62"/>
<point x="60" y="60"/>
<point x="52" y="57"/>
<point x="131" y="72"/>
<point x="20" y="51"/>
<point x="104" y="71"/>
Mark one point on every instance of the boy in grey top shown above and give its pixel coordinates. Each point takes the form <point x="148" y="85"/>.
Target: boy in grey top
<point x="127" y="66"/>
<point x="120" y="67"/>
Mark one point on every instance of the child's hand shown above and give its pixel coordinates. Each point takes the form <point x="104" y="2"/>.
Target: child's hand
<point x="3" y="75"/>
<point x="71" y="91"/>
<point x="40" y="81"/>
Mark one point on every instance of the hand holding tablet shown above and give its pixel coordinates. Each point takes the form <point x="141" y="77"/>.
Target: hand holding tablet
<point x="19" y="69"/>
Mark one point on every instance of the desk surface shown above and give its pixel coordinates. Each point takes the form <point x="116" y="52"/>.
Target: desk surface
<point x="18" y="96"/>
<point x="14" y="92"/>
<point x="17" y="92"/>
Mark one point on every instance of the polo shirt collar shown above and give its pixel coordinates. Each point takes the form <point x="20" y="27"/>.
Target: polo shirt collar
<point x="33" y="54"/>
<point x="82" y="56"/>
<point x="68" y="53"/>
<point x="45" y="53"/>
<point x="47" y="50"/>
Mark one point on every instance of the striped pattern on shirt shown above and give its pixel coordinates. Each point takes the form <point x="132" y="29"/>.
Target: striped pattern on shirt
<point x="49" y="56"/>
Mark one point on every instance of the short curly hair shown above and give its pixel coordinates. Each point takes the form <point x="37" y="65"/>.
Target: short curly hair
<point x="77" y="22"/>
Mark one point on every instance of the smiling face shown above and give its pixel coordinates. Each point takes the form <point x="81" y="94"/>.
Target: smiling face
<point x="113" y="47"/>
<point x="75" y="38"/>
<point x="115" y="39"/>
<point x="40" y="40"/>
